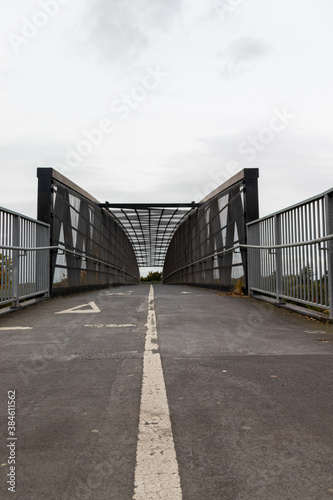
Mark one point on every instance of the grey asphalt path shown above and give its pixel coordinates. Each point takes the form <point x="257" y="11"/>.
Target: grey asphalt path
<point x="249" y="389"/>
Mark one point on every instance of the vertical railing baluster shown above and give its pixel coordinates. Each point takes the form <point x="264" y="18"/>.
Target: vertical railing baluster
<point x="278" y="257"/>
<point x="16" y="262"/>
<point x="329" y="226"/>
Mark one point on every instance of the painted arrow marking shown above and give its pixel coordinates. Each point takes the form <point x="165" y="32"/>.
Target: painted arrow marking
<point x="79" y="310"/>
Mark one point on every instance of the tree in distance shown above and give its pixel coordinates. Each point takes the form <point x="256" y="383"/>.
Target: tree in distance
<point x="152" y="276"/>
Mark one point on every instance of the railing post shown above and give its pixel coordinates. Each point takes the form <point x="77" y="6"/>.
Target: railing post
<point x="329" y="228"/>
<point x="253" y="258"/>
<point x="16" y="262"/>
<point x="42" y="259"/>
<point x="48" y="265"/>
<point x="278" y="258"/>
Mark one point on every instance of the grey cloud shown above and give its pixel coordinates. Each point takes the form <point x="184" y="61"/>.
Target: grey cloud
<point x="121" y="28"/>
<point x="285" y="166"/>
<point x="241" y="55"/>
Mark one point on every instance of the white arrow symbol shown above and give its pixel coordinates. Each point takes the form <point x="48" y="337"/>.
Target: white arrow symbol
<point x="79" y="310"/>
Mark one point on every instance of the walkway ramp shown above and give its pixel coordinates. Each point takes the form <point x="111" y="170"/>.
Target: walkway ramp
<point x="166" y="392"/>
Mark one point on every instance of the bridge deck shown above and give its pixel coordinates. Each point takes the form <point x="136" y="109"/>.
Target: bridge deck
<point x="248" y="394"/>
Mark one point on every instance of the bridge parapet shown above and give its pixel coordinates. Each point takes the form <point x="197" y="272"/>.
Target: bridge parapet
<point x="202" y="251"/>
<point x="92" y="249"/>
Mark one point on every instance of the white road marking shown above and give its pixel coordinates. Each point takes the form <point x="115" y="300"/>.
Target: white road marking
<point x="126" y="294"/>
<point x="156" y="471"/>
<point x="109" y="326"/>
<point x="79" y="310"/>
<point x="16" y="328"/>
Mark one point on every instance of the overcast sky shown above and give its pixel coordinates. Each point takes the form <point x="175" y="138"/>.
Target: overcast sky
<point x="164" y="100"/>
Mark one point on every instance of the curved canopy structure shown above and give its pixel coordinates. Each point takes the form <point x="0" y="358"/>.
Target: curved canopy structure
<point x="150" y="227"/>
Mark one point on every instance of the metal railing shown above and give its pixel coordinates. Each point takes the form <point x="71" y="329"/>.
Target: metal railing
<point x="290" y="254"/>
<point x="24" y="258"/>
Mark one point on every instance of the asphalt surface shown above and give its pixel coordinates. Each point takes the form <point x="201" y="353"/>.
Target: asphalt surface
<point x="249" y="389"/>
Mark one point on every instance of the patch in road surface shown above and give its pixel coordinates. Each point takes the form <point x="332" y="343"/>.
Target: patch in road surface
<point x="156" y="471"/>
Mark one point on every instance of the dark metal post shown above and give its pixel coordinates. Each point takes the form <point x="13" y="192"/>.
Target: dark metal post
<point x="251" y="209"/>
<point x="44" y="211"/>
<point x="251" y="194"/>
<point x="44" y="201"/>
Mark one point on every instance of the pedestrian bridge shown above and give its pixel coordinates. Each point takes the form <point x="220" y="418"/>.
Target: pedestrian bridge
<point x="178" y="392"/>
<point x="80" y="243"/>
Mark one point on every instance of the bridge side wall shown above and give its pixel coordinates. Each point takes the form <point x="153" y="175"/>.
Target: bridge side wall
<point x="198" y="253"/>
<point x="94" y="250"/>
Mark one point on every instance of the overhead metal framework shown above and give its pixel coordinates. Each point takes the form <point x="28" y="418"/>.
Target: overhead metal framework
<point x="150" y="227"/>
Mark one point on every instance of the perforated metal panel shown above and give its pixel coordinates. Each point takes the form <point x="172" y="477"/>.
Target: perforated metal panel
<point x="94" y="248"/>
<point x="198" y="253"/>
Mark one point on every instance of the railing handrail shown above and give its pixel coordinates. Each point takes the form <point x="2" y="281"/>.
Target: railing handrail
<point x="292" y="207"/>
<point x="25" y="217"/>
<point x="290" y="245"/>
<point x="26" y="249"/>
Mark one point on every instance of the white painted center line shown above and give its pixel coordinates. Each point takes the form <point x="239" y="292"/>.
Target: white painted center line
<point x="110" y="326"/>
<point x="3" y="328"/>
<point x="156" y="471"/>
